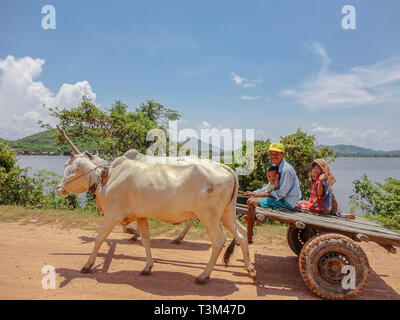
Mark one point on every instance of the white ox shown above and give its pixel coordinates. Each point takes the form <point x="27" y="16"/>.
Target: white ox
<point x="138" y="188"/>
<point x="124" y="224"/>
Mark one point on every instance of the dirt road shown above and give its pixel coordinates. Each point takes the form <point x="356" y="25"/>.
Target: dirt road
<point x="26" y="248"/>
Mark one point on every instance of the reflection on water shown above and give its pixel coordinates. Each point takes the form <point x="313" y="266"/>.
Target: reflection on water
<point x="346" y="170"/>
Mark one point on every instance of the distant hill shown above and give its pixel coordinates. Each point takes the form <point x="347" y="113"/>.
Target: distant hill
<point x="344" y="150"/>
<point x="43" y="143"/>
<point x="196" y="145"/>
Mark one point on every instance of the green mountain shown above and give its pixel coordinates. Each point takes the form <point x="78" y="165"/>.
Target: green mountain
<point x="40" y="143"/>
<point x="344" y="150"/>
<point x="43" y="143"/>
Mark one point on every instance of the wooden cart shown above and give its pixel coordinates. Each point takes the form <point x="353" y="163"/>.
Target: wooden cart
<point x="331" y="262"/>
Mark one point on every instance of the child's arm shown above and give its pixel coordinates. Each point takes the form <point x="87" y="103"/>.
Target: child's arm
<point x="320" y="190"/>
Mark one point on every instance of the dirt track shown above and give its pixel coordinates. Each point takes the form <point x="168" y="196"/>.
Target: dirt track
<point x="26" y="248"/>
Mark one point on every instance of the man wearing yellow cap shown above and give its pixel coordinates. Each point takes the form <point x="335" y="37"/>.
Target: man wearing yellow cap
<point x="288" y="194"/>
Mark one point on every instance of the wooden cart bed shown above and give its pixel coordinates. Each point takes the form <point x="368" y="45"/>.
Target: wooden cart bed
<point x="359" y="229"/>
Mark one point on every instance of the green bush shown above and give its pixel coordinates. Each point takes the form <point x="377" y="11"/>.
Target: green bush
<point x="16" y="187"/>
<point x="47" y="182"/>
<point x="39" y="191"/>
<point x="380" y="201"/>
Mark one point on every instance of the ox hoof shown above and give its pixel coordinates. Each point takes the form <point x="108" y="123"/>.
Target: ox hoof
<point x="85" y="270"/>
<point x="133" y="239"/>
<point x="145" y="273"/>
<point x="253" y="275"/>
<point x="130" y="230"/>
<point x="201" y="281"/>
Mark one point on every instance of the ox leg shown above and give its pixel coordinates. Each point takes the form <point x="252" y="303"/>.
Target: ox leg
<point x="183" y="233"/>
<point x="143" y="225"/>
<point x="240" y="233"/>
<point x="135" y="232"/>
<point x="106" y="227"/>
<point x="218" y="239"/>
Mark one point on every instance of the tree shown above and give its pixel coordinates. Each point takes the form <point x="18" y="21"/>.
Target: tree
<point x="158" y="113"/>
<point x="16" y="187"/>
<point x="7" y="157"/>
<point x="300" y="151"/>
<point x="111" y="131"/>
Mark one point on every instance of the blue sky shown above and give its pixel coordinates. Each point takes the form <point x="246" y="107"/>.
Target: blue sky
<point x="272" y="66"/>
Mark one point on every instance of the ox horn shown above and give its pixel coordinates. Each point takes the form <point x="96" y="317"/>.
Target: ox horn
<point x="89" y="155"/>
<point x="74" y="149"/>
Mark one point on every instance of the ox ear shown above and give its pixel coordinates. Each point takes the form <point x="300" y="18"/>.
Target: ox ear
<point x="71" y="156"/>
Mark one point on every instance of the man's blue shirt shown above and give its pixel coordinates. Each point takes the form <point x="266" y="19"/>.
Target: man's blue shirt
<point x="289" y="186"/>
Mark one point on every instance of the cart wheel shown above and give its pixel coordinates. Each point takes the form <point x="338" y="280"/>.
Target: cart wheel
<point x="296" y="238"/>
<point x="321" y="264"/>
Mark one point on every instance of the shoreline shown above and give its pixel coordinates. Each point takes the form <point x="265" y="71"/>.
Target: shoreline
<point x="61" y="155"/>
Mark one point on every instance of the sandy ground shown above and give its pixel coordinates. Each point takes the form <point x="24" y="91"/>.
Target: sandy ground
<point x="26" y="248"/>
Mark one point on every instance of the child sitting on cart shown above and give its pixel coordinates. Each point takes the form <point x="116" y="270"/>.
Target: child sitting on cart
<point x="321" y="198"/>
<point x="273" y="184"/>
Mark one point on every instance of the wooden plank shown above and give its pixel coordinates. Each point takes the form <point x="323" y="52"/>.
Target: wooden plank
<point x="329" y="223"/>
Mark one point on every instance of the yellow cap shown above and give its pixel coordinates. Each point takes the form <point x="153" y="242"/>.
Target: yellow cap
<point x="276" y="146"/>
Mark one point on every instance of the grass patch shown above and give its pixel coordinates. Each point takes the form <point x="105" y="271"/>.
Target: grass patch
<point x="66" y="219"/>
<point x="82" y="219"/>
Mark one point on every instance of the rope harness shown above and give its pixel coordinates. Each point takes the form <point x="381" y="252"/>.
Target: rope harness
<point x="92" y="188"/>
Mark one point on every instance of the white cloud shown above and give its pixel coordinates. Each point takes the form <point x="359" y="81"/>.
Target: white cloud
<point x="361" y="137"/>
<point x="237" y="79"/>
<point x="318" y="49"/>
<point x="261" y="134"/>
<point x="244" y="97"/>
<point x="22" y="98"/>
<point x="287" y="92"/>
<point x="205" y="124"/>
<point x="248" y="85"/>
<point x="359" y="86"/>
<point x="244" y="82"/>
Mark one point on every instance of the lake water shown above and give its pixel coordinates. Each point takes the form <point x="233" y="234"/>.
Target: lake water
<point x="346" y="170"/>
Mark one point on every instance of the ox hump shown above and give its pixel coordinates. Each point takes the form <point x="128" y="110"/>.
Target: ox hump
<point x="133" y="154"/>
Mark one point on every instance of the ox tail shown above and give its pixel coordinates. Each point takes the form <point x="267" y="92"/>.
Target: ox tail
<point x="232" y="208"/>
<point x="229" y="251"/>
